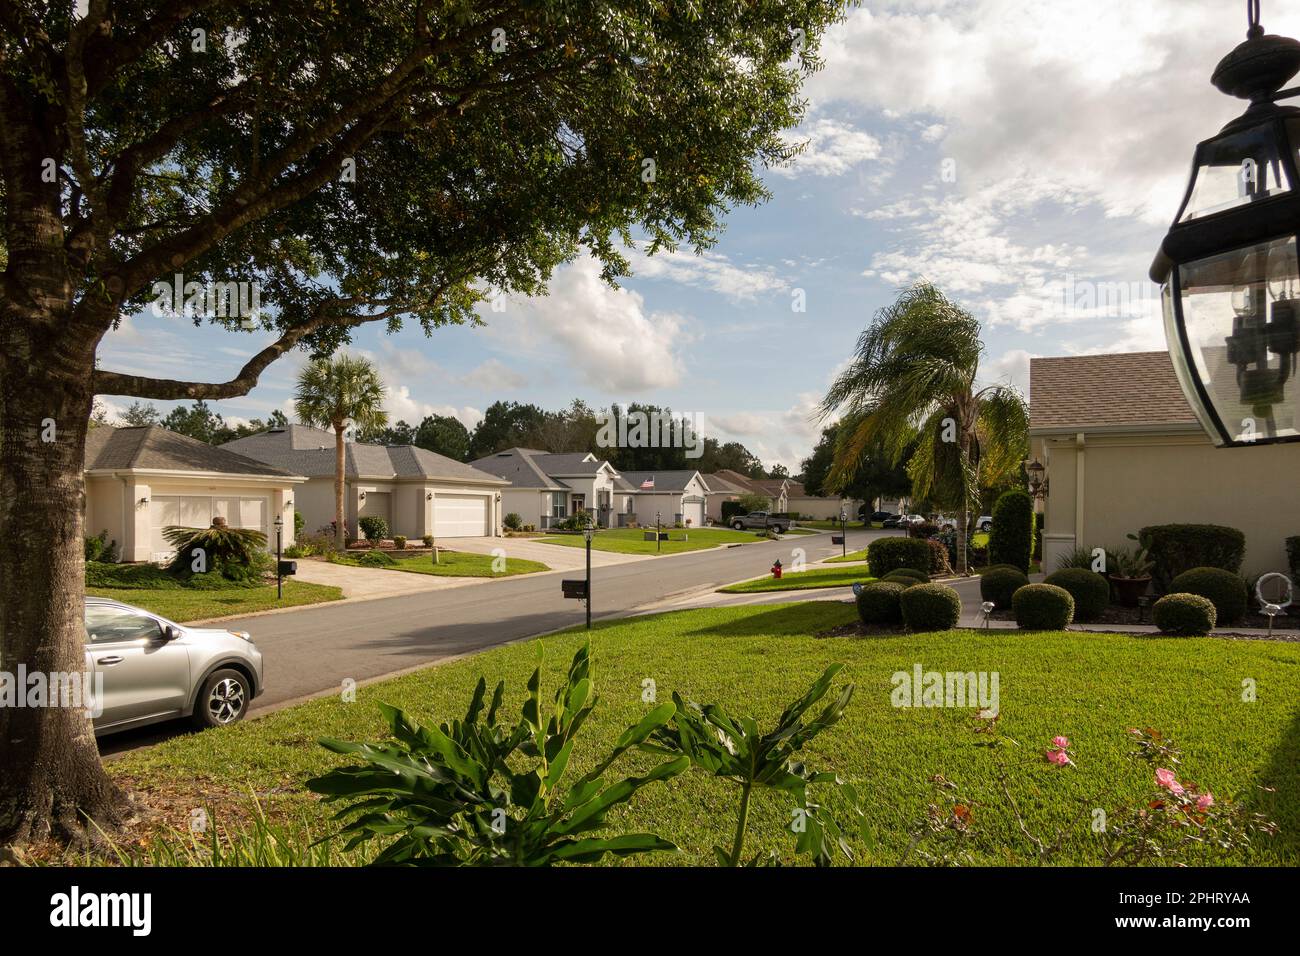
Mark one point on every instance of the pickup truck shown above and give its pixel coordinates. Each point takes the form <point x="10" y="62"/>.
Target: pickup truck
<point x="762" y="520"/>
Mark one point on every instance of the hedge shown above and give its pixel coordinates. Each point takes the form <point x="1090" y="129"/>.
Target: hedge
<point x="1043" y="607"/>
<point x="1000" y="584"/>
<point x="1175" y="548"/>
<point x="1012" y="539"/>
<point x="878" y="603"/>
<point x="374" y="527"/>
<point x="1184" y="615"/>
<point x="1223" y="589"/>
<point x="890" y="554"/>
<point x="1090" y="590"/>
<point x="930" y="607"/>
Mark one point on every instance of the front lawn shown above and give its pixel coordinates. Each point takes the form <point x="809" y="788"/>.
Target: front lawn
<point x="755" y="660"/>
<point x="181" y="604"/>
<point x="851" y="556"/>
<point x="632" y="540"/>
<point x="452" y="564"/>
<point x="801" y="581"/>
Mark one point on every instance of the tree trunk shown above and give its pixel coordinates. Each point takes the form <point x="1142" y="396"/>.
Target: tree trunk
<point x="51" y="779"/>
<point x="963" y="516"/>
<point x="340" y="517"/>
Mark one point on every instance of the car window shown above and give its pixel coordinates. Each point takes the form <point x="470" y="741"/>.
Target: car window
<point x="106" y="624"/>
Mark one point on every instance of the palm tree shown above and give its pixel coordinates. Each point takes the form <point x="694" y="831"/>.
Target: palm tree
<point x="913" y="379"/>
<point x="332" y="393"/>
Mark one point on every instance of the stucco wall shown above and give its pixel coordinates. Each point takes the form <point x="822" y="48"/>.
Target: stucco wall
<point x="1111" y="485"/>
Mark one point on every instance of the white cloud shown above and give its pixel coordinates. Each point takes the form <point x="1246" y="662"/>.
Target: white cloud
<point x="709" y="270"/>
<point x="784" y="436"/>
<point x="1010" y="368"/>
<point x="832" y="148"/>
<point x="605" y="336"/>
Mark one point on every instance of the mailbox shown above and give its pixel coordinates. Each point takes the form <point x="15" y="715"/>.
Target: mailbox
<point x="288" y="568"/>
<point x="574" y="589"/>
<point x="649" y="536"/>
<point x="837" y="539"/>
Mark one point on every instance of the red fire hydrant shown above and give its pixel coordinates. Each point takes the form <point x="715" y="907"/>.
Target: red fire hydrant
<point x="776" y="569"/>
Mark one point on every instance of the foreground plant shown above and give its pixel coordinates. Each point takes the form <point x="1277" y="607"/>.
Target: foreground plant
<point x="733" y="749"/>
<point x="479" y="792"/>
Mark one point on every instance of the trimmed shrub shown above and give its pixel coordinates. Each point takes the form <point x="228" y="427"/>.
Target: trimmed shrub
<point x="513" y="522"/>
<point x="428" y="540"/>
<point x="920" y="577"/>
<point x="999" y="584"/>
<point x="1091" y="591"/>
<point x="100" y="547"/>
<point x="1223" y="588"/>
<point x="930" y="607"/>
<point x="1043" y="607"/>
<point x="399" y="542"/>
<point x="939" y="563"/>
<point x="890" y="554"/>
<point x="375" y="559"/>
<point x="997" y="567"/>
<point x="374" y="527"/>
<point x="906" y="580"/>
<point x="1184" y="615"/>
<point x="878" y="603"/>
<point x="299" y="522"/>
<point x="1012" y="539"/>
<point x="1175" y="548"/>
<point x="926" y="529"/>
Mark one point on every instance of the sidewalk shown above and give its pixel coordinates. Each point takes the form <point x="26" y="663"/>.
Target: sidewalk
<point x="367" y="583"/>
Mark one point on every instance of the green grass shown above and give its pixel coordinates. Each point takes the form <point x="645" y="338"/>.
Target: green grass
<point x="631" y="540"/>
<point x="851" y="556"/>
<point x="755" y="660"/>
<point x="801" y="581"/>
<point x="454" y="564"/>
<point x="182" y="605"/>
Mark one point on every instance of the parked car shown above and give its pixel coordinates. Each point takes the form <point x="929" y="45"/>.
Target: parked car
<point x="945" y="523"/>
<point x="155" y="669"/>
<point x="892" y="521"/>
<point x="880" y="516"/>
<point x="762" y="520"/>
<point x="984" y="523"/>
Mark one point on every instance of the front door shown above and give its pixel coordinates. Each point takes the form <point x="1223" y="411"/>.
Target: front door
<point x="144" y="675"/>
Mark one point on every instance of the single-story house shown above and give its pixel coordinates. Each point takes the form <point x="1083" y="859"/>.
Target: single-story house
<point x="1123" y="449"/>
<point x="818" y="507"/>
<point x="777" y="491"/>
<point x="677" y="497"/>
<point x="417" y="491"/>
<point x="140" y="480"/>
<point x="726" y="485"/>
<point x="545" y="488"/>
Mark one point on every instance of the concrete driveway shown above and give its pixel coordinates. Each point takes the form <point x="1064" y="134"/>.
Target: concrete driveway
<point x="557" y="557"/>
<point x="369" y="583"/>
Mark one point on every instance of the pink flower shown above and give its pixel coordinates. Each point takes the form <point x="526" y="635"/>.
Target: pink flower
<point x="1166" y="779"/>
<point x="1058" y="757"/>
<point x="1061" y="742"/>
<point x="1204" y="801"/>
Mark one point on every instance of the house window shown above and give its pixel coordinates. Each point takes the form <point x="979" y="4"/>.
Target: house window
<point x="579" y="504"/>
<point x="557" y="504"/>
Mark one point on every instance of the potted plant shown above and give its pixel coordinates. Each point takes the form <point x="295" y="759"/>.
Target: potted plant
<point x="1130" y="573"/>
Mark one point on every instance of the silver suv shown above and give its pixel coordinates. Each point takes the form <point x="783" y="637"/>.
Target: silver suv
<point x="154" y="669"/>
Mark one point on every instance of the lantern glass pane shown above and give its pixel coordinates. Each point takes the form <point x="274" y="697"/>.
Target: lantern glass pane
<point x="1241" y="312"/>
<point x="1185" y="373"/>
<point x="1236" y="169"/>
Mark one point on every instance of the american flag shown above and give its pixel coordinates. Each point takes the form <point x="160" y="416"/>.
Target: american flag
<point x="648" y="483"/>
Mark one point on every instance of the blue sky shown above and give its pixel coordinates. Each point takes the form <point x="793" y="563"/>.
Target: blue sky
<point x="1024" y="155"/>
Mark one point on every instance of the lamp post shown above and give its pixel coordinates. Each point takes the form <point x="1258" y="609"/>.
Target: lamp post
<point x="1228" y="267"/>
<point x="844" y="533"/>
<point x="279" y="577"/>
<point x="588" y="532"/>
<point x="658" y="518"/>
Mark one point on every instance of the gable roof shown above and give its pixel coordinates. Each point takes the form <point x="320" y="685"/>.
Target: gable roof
<point x="154" y="448"/>
<point x="310" y="451"/>
<point x="743" y="483"/>
<point x="665" y="481"/>
<point x="771" y="486"/>
<point x="1079" y="392"/>
<point x="531" y="468"/>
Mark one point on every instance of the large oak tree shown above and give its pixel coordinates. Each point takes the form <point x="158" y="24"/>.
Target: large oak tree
<point x="360" y="161"/>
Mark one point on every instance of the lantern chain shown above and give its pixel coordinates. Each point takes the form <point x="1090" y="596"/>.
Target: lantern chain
<point x="1252" y="15"/>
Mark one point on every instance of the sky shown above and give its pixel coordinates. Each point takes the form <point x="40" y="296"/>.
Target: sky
<point x="1026" y="156"/>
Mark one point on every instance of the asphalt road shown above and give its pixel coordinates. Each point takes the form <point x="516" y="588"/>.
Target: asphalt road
<point x="312" y="651"/>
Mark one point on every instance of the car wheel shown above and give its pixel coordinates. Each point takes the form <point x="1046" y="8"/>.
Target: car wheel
<point x="738" y="525"/>
<point x="223" y="699"/>
<point x="779" y="529"/>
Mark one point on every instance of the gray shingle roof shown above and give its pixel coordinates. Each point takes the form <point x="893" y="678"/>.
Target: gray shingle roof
<point x="154" y="447"/>
<point x="310" y="451"/>
<point x="732" y="482"/>
<point x="1130" y="388"/>
<point x="530" y="468"/>
<point x="664" y="480"/>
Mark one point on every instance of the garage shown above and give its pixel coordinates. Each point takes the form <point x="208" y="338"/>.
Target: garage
<point x="460" y="516"/>
<point x="197" y="511"/>
<point x="693" y="511"/>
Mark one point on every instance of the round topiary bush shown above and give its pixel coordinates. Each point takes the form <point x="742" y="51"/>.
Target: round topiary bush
<point x="930" y="607"/>
<point x="1223" y="588"/>
<point x="996" y="567"/>
<point x="890" y="554"/>
<point x="1011" y="539"/>
<point x="902" y="579"/>
<point x="375" y="559"/>
<point x="1000" y="584"/>
<point x="878" y="603"/>
<point x="1091" y="591"/>
<point x="1043" y="607"/>
<point x="1185" y="615"/>
<point x="919" y="576"/>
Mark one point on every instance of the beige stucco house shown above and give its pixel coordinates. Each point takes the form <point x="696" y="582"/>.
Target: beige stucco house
<point x="544" y="488"/>
<point x="1123" y="449"/>
<point x="676" y="497"/>
<point x="415" y="490"/>
<point x="140" y="480"/>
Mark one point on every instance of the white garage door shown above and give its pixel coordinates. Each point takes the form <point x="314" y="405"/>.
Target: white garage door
<point x="197" y="511"/>
<point x="693" y="511"/>
<point x="460" y="516"/>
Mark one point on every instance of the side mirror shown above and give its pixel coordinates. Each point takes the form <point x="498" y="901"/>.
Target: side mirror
<point x="169" y="633"/>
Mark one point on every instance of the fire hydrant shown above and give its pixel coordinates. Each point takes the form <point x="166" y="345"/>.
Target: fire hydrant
<point x="776" y="569"/>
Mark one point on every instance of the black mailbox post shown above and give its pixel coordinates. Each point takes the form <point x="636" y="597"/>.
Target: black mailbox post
<point x="288" y="568"/>
<point x="574" y="589"/>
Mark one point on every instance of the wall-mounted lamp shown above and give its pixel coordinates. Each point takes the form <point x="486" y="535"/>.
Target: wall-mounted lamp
<point x="428" y="496"/>
<point x="143" y="501"/>
<point x="362" y="496"/>
<point x="289" y="503"/>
